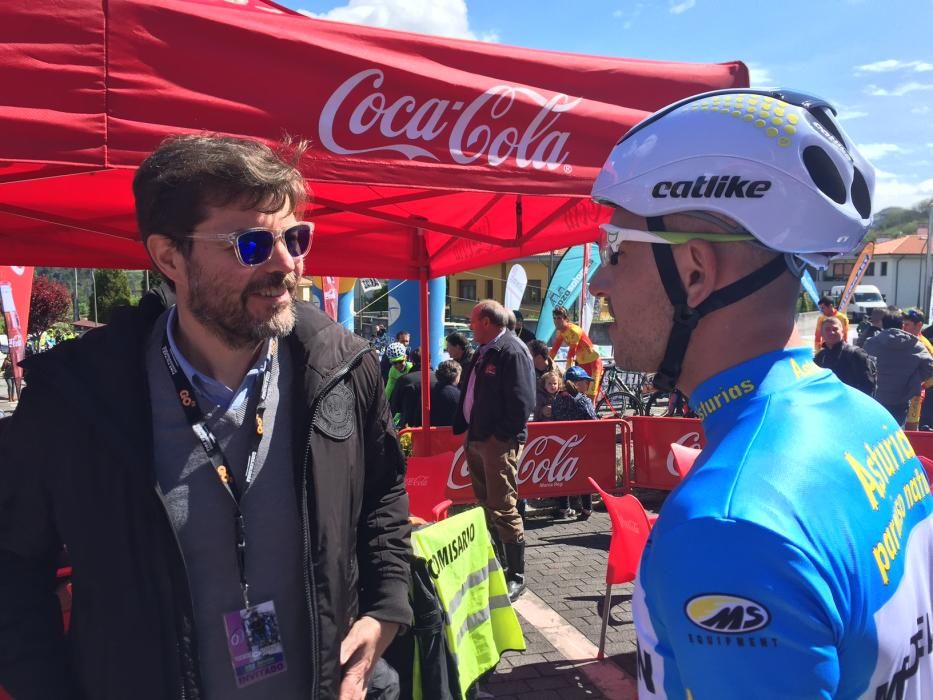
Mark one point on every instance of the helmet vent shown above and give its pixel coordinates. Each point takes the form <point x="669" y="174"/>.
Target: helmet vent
<point x="827" y="122"/>
<point x="824" y="173"/>
<point x="861" y="197"/>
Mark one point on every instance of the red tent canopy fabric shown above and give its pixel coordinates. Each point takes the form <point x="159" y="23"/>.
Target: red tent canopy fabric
<point x="428" y="153"/>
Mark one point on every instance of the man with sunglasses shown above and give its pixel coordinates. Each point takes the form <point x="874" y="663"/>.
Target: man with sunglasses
<point x="227" y="461"/>
<point x="792" y="561"/>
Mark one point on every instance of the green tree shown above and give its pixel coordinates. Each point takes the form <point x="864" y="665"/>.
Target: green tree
<point x="113" y="290"/>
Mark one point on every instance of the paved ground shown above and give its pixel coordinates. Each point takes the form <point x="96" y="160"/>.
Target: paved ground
<point x="5" y="405"/>
<point x="539" y="673"/>
<point x="566" y="568"/>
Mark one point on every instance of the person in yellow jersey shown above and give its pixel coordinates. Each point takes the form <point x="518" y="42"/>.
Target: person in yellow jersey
<point x="828" y="310"/>
<point x="580" y="349"/>
<point x="920" y="411"/>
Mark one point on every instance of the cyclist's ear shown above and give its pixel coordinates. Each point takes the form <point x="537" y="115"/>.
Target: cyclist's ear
<point x="700" y="270"/>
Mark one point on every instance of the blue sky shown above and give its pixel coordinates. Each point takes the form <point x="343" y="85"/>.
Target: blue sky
<point x="862" y="55"/>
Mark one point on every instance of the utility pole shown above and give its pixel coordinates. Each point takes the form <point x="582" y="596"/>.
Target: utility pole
<point x="928" y="278"/>
<point x="77" y="310"/>
<point x="94" y="283"/>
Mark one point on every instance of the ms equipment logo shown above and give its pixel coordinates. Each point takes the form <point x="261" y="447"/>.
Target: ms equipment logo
<point x="727" y="614"/>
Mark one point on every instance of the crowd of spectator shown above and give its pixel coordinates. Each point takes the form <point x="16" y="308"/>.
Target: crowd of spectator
<point x="891" y="359"/>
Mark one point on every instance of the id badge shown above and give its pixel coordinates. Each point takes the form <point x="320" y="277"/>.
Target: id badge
<point x="255" y="643"/>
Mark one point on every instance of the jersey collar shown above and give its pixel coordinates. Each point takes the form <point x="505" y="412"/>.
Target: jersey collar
<point x="718" y="399"/>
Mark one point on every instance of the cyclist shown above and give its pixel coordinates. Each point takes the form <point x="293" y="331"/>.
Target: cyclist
<point x="580" y="349"/>
<point x="791" y="562"/>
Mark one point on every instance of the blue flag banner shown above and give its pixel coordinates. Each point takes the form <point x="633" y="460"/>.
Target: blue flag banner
<point x="809" y="286"/>
<point x="565" y="286"/>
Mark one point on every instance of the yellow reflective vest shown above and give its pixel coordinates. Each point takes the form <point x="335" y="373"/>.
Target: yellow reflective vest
<point x="480" y="622"/>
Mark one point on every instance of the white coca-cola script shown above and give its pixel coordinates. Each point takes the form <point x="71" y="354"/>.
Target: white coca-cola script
<point x="547" y="458"/>
<point x="505" y="122"/>
<point x="687" y="440"/>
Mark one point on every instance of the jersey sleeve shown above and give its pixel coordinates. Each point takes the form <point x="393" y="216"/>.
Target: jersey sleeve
<point x="725" y="609"/>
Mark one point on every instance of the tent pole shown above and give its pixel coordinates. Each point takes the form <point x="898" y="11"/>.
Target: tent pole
<point x="425" y="341"/>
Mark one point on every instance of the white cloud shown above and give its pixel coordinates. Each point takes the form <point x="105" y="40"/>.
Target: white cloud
<point x="439" y="17"/>
<point x="850" y="115"/>
<point x="759" y="76"/>
<point x="900" y="90"/>
<point x="890" y="191"/>
<point x="875" y="151"/>
<point x="630" y="16"/>
<point x="678" y="8"/>
<point x="892" y="65"/>
<point x="922" y="109"/>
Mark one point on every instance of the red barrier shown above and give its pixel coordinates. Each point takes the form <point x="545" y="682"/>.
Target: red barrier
<point x="921" y="441"/>
<point x="652" y="460"/>
<point x="586" y="448"/>
<point x="557" y="459"/>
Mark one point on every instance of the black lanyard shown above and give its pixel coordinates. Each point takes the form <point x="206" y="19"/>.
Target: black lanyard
<point x="212" y="449"/>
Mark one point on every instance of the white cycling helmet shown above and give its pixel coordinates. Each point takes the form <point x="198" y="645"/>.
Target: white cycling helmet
<point x="775" y="161"/>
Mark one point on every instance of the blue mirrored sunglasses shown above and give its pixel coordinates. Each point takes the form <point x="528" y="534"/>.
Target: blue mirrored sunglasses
<point x="254" y="246"/>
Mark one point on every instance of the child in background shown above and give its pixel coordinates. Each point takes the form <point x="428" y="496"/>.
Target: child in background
<point x="572" y="403"/>
<point x="548" y="386"/>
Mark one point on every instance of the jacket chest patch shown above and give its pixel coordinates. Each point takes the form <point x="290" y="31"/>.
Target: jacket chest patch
<point x="489" y="370"/>
<point x="335" y="415"/>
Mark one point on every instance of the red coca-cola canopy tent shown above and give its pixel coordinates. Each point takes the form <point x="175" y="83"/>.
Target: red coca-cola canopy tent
<point x="429" y="155"/>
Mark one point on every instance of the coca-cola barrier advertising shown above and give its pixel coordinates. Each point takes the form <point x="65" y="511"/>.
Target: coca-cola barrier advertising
<point x="556" y="461"/>
<point x="559" y="456"/>
<point x="653" y="460"/>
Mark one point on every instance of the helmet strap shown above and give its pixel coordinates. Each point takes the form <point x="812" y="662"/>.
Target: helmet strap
<point x="687" y="317"/>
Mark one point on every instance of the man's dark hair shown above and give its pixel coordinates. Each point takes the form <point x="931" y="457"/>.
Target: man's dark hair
<point x="826" y="301"/>
<point x="186" y="174"/>
<point x="415" y="359"/>
<point x="539" y="347"/>
<point x="447" y="371"/>
<point x="398" y="336"/>
<point x="458" y="339"/>
<point x="914" y="315"/>
<point x="560" y="312"/>
<point x="892" y="319"/>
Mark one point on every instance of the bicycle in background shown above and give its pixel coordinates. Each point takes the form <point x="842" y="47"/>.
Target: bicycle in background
<point x="621" y="393"/>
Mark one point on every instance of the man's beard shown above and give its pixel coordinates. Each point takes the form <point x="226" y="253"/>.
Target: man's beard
<point x="219" y="309"/>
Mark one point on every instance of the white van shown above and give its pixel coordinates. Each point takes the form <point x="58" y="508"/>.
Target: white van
<point x="866" y="298"/>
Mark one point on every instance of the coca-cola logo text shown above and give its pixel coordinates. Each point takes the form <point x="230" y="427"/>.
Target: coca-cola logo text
<point x="494" y="127"/>
<point x="547" y="459"/>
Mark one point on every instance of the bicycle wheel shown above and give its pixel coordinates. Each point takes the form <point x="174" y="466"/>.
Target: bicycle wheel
<point x="657" y="400"/>
<point x="618" y="404"/>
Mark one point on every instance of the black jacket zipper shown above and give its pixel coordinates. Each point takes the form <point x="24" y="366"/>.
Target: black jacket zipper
<point x="310" y="584"/>
<point x="190" y="601"/>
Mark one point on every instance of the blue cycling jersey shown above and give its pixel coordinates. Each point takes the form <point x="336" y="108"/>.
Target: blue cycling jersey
<point x="795" y="559"/>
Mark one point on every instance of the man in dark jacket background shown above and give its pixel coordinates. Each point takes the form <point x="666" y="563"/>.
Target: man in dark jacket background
<point x="230" y="458"/>
<point x="851" y="364"/>
<point x="406" y="397"/>
<point x="445" y="395"/>
<point x="903" y="366"/>
<point x="497" y="397"/>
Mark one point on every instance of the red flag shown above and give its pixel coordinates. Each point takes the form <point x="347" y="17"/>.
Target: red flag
<point x="329" y="289"/>
<point x="15" y="291"/>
